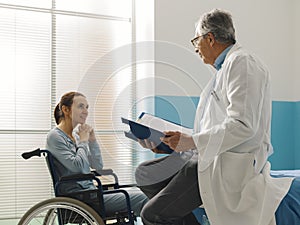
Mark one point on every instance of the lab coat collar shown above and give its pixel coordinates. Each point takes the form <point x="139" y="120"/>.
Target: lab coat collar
<point x="220" y="59"/>
<point x="234" y="48"/>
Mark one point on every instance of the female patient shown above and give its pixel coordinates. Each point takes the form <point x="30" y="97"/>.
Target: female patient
<point x="76" y="151"/>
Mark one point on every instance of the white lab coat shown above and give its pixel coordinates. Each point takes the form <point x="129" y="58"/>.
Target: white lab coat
<point x="232" y="135"/>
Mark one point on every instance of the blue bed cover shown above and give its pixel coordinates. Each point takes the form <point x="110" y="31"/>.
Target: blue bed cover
<point x="288" y="212"/>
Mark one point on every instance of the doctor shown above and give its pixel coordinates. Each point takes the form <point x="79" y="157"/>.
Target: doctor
<point x="232" y="130"/>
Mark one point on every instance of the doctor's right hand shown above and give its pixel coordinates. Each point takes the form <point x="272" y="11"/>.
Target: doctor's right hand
<point x="145" y="143"/>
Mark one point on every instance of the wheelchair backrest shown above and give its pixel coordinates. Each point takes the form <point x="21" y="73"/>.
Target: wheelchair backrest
<point x="50" y="163"/>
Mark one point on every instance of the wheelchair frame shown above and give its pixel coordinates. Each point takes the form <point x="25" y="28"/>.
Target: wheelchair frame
<point x="68" y="209"/>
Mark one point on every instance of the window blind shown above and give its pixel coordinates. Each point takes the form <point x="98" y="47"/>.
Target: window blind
<point x="25" y="119"/>
<point x="49" y="48"/>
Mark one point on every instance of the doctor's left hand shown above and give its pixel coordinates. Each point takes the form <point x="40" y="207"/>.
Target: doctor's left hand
<point x="145" y="143"/>
<point x="178" y="141"/>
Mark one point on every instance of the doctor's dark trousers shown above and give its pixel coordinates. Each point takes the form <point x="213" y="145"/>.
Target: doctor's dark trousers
<point x="173" y="200"/>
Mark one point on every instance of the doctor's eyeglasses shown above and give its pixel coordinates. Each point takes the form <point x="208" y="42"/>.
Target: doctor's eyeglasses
<point x="195" y="41"/>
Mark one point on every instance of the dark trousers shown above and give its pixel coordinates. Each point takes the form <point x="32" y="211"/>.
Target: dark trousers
<point x="173" y="200"/>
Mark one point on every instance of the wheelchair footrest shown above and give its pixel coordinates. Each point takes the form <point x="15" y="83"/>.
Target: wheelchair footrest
<point x="122" y="218"/>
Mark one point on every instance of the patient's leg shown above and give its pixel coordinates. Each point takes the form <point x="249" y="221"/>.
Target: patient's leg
<point x="117" y="203"/>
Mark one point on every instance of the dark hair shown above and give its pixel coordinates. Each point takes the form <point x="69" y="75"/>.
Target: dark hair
<point x="66" y="100"/>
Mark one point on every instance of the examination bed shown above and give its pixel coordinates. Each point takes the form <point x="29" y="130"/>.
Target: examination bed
<point x="288" y="212"/>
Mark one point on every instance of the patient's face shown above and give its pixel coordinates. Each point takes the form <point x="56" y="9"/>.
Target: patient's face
<point x="79" y="110"/>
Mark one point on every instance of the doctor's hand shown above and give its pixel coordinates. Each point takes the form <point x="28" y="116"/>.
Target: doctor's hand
<point x="145" y="143"/>
<point x="178" y="141"/>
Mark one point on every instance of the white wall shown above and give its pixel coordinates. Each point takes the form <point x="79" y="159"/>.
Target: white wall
<point x="296" y="47"/>
<point x="144" y="35"/>
<point x="268" y="28"/>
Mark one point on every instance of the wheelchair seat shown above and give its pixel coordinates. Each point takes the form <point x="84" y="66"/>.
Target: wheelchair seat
<point x="93" y="198"/>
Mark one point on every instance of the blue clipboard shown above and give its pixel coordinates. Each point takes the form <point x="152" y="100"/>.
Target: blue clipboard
<point x="140" y="131"/>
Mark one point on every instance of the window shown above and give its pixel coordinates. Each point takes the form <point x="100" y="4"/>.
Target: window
<point x="49" y="48"/>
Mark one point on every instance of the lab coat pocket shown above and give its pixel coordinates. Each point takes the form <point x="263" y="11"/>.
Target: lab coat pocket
<point x="218" y="107"/>
<point x="237" y="169"/>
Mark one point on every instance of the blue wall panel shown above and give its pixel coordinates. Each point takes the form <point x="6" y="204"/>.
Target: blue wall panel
<point x="282" y="135"/>
<point x="285" y="129"/>
<point x="297" y="135"/>
<point x="180" y="110"/>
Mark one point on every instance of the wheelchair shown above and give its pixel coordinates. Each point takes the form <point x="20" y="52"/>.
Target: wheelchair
<point x="84" y="207"/>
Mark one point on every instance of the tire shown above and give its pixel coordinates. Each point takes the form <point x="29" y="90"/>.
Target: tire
<point x="61" y="211"/>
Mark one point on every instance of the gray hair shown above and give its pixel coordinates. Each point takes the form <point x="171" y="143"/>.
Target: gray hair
<point x="219" y="23"/>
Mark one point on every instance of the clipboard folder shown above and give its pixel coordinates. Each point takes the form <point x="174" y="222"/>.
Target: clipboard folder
<point x="143" y="130"/>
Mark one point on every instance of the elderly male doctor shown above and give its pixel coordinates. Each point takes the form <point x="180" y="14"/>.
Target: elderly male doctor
<point x="232" y="130"/>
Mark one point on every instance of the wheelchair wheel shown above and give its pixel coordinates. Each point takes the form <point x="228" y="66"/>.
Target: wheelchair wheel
<point x="61" y="211"/>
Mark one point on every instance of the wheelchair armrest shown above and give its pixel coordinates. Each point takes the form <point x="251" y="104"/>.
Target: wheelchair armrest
<point x="127" y="185"/>
<point x="115" y="185"/>
<point x="78" y="177"/>
<point x="103" y="172"/>
<point x="108" y="172"/>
